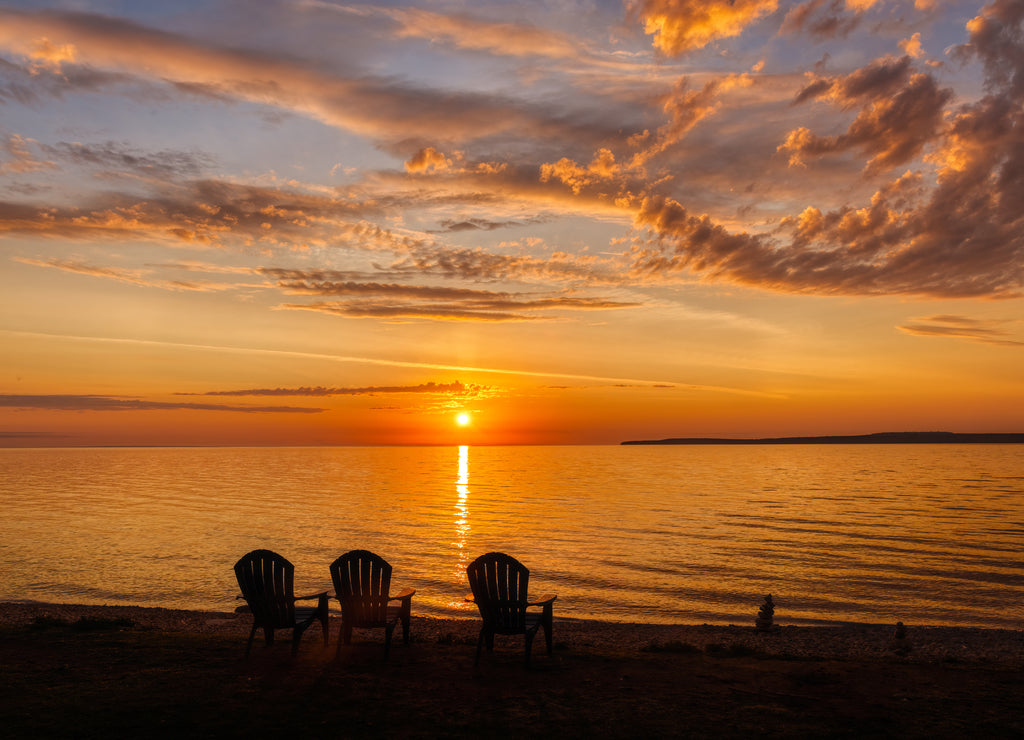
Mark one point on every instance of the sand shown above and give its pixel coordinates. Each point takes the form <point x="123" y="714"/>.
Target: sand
<point x="118" y="671"/>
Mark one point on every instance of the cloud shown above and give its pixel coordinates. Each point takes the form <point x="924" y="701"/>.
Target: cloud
<point x="995" y="37"/>
<point x="901" y="113"/>
<point x="453" y="388"/>
<point x="119" y="158"/>
<point x="912" y="46"/>
<point x="63" y="402"/>
<point x="823" y="19"/>
<point x="468" y="309"/>
<point x="467" y="32"/>
<point x="204" y="212"/>
<point x="985" y="331"/>
<point x="382" y="109"/>
<point x="134" y="277"/>
<point x="936" y="212"/>
<point x="876" y="250"/>
<point x="475" y="224"/>
<point x="679" y="26"/>
<point x="18" y="159"/>
<point x="426" y="159"/>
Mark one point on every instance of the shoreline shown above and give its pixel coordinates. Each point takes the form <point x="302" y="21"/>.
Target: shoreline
<point x="923" y="644"/>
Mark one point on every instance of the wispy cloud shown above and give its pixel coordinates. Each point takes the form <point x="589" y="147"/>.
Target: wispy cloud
<point x="453" y="388"/>
<point x="67" y="402"/>
<point x="985" y="331"/>
<point x="140" y="277"/>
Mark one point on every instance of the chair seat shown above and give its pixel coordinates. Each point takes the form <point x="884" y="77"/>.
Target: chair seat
<point x="394" y="614"/>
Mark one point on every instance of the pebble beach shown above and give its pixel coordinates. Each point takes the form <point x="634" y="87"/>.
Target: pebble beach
<point x="127" y="671"/>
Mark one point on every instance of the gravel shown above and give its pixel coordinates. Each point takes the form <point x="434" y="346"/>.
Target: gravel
<point x="922" y="643"/>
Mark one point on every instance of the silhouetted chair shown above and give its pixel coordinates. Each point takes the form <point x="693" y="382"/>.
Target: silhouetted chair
<point x="267" y="583"/>
<point x="499" y="584"/>
<point x="362" y="582"/>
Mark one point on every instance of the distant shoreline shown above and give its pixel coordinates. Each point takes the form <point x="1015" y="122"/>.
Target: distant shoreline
<point x="894" y="438"/>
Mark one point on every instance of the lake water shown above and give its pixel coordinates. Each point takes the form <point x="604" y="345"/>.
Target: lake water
<point x="926" y="534"/>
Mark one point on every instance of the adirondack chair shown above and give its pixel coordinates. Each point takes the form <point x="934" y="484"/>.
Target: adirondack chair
<point x="499" y="584"/>
<point x="267" y="583"/>
<point x="362" y="582"/>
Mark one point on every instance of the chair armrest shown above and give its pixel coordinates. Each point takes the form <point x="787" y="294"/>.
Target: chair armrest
<point x="470" y="598"/>
<point x="544" y="600"/>
<point x="404" y="595"/>
<point x="321" y="595"/>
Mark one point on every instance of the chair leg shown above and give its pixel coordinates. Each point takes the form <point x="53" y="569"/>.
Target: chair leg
<point x="388" y="631"/>
<point x="324" y="614"/>
<point x="479" y="647"/>
<point x="296" y="636"/>
<point x="248" y="645"/>
<point x="405" y="629"/>
<point x="529" y="645"/>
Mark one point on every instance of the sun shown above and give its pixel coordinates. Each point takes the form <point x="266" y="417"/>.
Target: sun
<point x="462" y="420"/>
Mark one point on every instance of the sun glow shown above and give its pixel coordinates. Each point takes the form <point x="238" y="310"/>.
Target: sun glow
<point x="462" y="420"/>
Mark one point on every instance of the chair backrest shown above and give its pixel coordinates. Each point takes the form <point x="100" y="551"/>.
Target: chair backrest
<point x="499" y="584"/>
<point x="362" y="582"/>
<point x="267" y="583"/>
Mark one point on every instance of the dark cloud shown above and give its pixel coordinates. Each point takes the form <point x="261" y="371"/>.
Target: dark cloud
<point x="46" y="436"/>
<point x="902" y="113"/>
<point x="997" y="39"/>
<point x="118" y="157"/>
<point x="398" y="301"/>
<point x="475" y="224"/>
<point x="873" y="251"/>
<point x="453" y="388"/>
<point x="108" y="403"/>
<point x="985" y="331"/>
<point x="495" y="308"/>
<point x="821" y="19"/>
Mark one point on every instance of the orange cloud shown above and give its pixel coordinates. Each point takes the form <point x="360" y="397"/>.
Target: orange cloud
<point x="679" y="26"/>
<point x="464" y="32"/>
<point x="426" y="159"/>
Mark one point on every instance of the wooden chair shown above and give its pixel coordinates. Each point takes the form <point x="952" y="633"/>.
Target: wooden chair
<point x="362" y="582"/>
<point x="267" y="583"/>
<point x="499" y="584"/>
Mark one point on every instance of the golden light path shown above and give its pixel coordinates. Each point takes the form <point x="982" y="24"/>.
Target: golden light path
<point x="462" y="526"/>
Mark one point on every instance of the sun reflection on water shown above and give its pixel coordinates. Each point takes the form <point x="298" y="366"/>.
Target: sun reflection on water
<point x="462" y="526"/>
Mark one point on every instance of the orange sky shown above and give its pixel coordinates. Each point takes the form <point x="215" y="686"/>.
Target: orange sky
<point x="329" y="223"/>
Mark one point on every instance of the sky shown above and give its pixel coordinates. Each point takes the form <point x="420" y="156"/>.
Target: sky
<point x="307" y="222"/>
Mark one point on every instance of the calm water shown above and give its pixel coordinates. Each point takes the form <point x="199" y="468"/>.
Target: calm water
<point x="928" y="534"/>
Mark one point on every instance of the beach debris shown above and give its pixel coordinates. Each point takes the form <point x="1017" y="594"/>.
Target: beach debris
<point x="765" y="614"/>
<point x="899" y="643"/>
